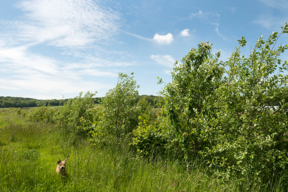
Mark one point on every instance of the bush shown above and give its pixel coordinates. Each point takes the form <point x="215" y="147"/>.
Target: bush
<point x="219" y="111"/>
<point x="77" y="116"/>
<point x="44" y="114"/>
<point x="20" y="111"/>
<point x="151" y="137"/>
<point x="119" y="116"/>
<point x="187" y="98"/>
<point x="250" y="138"/>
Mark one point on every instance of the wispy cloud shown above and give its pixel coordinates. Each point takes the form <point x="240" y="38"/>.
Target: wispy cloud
<point x="72" y="28"/>
<point x="210" y="18"/>
<point x="44" y="75"/>
<point x="185" y="33"/>
<point x="18" y="57"/>
<point x="218" y="33"/>
<point x="279" y="4"/>
<point x="233" y="9"/>
<point x="66" y="23"/>
<point x="270" y="22"/>
<point x="167" y="71"/>
<point x="203" y="15"/>
<point x="163" y="39"/>
<point x="160" y="39"/>
<point x="165" y="60"/>
<point x="138" y="36"/>
<point x="97" y="73"/>
<point x="19" y="61"/>
<point x="47" y="85"/>
<point x="199" y="14"/>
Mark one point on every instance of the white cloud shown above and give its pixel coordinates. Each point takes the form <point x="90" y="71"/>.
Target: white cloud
<point x="32" y="72"/>
<point x="138" y="36"/>
<point x="167" y="71"/>
<point x="97" y="61"/>
<point x="279" y="4"/>
<point x="163" y="39"/>
<point x="271" y="22"/>
<point x="233" y="9"/>
<point x="203" y="15"/>
<point x="165" y="60"/>
<point x="97" y="73"/>
<point x="265" y="22"/>
<point x="2" y="43"/>
<point x="49" y="85"/>
<point x="199" y="14"/>
<point x="185" y="33"/>
<point x="18" y="57"/>
<point x="66" y="23"/>
<point x="76" y="26"/>
<point x="19" y="60"/>
<point x="211" y="18"/>
<point x="218" y="33"/>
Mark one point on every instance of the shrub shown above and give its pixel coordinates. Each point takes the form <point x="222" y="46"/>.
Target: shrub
<point x="44" y="114"/>
<point x="119" y="116"/>
<point x="250" y="138"/>
<point x="151" y="137"/>
<point x="226" y="119"/>
<point x="77" y="115"/>
<point x="187" y="97"/>
<point x="20" y="111"/>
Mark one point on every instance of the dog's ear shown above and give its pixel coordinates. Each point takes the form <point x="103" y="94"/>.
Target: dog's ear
<point x="67" y="158"/>
<point x="59" y="161"/>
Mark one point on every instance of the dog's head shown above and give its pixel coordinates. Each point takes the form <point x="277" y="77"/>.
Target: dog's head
<point x="62" y="164"/>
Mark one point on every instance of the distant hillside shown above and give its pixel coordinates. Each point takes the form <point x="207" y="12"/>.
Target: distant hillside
<point x="6" y="102"/>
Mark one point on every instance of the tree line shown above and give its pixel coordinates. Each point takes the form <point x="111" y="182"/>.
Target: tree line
<point x="6" y="102"/>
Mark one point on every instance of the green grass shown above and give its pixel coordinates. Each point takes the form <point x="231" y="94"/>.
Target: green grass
<point x="8" y="117"/>
<point x="29" y="152"/>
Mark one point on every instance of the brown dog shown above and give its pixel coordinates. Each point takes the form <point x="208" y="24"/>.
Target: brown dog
<point x="61" y="167"/>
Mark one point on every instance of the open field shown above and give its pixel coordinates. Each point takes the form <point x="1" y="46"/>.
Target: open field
<point x="29" y="152"/>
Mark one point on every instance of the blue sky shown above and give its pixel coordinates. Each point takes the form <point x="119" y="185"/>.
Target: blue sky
<point x="55" y="48"/>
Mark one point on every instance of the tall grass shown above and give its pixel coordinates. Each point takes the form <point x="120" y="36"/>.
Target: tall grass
<point x="29" y="152"/>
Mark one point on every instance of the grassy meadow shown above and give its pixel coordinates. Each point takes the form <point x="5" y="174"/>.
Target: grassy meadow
<point x="29" y="152"/>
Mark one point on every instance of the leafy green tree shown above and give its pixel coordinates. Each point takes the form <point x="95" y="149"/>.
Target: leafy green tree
<point x="120" y="111"/>
<point x="187" y="97"/>
<point x="250" y="138"/>
<point x="75" y="116"/>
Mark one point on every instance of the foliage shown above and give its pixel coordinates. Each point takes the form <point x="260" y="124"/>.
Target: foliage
<point x="219" y="111"/>
<point x="44" y="114"/>
<point x="120" y="111"/>
<point x="250" y="138"/>
<point x="76" y="116"/>
<point x="6" y="102"/>
<point x="151" y="138"/>
<point x="187" y="97"/>
<point x="20" y="111"/>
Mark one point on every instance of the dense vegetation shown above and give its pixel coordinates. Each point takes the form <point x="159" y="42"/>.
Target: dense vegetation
<point x="214" y="112"/>
<point x="6" y="102"/>
<point x="29" y="152"/>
